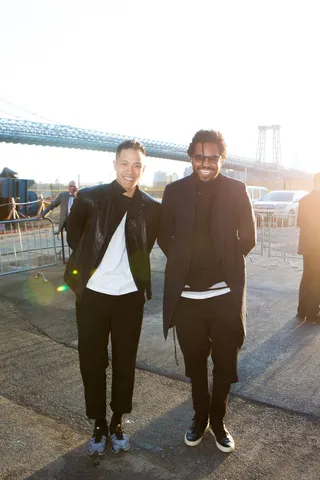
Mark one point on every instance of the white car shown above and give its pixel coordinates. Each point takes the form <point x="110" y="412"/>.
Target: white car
<point x="256" y="193"/>
<point x="281" y="205"/>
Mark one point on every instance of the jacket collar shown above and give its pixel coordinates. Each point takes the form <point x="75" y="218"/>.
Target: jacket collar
<point x="195" y="183"/>
<point x="137" y="202"/>
<point x="116" y="188"/>
<point x="208" y="187"/>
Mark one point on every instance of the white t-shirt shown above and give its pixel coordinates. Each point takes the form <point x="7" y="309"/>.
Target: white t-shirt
<point x="70" y="203"/>
<point x="113" y="276"/>
<point x="214" y="291"/>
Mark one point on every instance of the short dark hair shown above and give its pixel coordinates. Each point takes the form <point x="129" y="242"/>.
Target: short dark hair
<point x="208" y="136"/>
<point x="130" y="144"/>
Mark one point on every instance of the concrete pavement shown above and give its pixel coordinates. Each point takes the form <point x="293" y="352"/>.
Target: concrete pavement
<point x="44" y="430"/>
<point x="279" y="363"/>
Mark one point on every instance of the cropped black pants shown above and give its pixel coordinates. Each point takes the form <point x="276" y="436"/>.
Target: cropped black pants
<point x="100" y="316"/>
<point x="210" y="327"/>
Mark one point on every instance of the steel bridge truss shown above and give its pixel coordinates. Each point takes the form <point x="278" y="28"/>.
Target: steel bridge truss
<point x="276" y="145"/>
<point x="58" y="135"/>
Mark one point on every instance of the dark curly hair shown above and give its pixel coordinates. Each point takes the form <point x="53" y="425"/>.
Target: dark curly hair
<point x="130" y="144"/>
<point x="208" y="136"/>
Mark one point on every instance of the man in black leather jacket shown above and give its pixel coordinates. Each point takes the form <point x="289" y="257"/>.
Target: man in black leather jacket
<point x="111" y="230"/>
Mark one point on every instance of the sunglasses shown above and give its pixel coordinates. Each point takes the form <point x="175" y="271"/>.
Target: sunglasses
<point x="212" y="159"/>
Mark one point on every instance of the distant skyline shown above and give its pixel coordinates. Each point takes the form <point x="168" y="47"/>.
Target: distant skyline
<point x="161" y="70"/>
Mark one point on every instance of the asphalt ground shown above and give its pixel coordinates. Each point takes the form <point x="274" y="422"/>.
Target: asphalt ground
<point x="274" y="410"/>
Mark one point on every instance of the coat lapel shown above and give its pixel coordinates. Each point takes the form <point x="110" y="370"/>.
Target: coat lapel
<point x="188" y="208"/>
<point x="137" y="204"/>
<point x="219" y="213"/>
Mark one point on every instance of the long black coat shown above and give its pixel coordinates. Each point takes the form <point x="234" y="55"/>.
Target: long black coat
<point x="232" y="217"/>
<point x="309" y="223"/>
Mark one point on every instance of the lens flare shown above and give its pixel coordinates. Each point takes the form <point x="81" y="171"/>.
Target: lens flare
<point x="62" y="288"/>
<point x="75" y="272"/>
<point x="37" y="292"/>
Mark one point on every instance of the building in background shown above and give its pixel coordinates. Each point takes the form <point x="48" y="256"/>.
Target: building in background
<point x="161" y="179"/>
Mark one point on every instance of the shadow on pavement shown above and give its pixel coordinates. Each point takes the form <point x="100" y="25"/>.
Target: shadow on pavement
<point x="157" y="452"/>
<point x="287" y="354"/>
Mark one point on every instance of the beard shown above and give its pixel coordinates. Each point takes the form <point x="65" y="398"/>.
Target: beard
<point x="206" y="177"/>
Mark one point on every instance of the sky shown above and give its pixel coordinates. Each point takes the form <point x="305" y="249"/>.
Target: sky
<point x="160" y="70"/>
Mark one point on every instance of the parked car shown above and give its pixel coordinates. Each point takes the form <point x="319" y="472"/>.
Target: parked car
<point x="280" y="205"/>
<point x="256" y="193"/>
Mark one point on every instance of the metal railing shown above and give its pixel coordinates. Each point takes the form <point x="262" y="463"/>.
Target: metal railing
<point x="259" y="248"/>
<point x="30" y="244"/>
<point x="277" y="237"/>
<point x="65" y="251"/>
<point x="282" y="236"/>
<point x="26" y="244"/>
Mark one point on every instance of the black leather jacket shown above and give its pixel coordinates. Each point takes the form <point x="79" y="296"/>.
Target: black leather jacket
<point x="87" y="229"/>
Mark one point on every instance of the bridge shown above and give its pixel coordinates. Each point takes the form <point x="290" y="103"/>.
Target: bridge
<point x="57" y="135"/>
<point x="31" y="132"/>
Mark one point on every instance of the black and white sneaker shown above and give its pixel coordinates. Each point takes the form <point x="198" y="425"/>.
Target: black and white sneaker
<point x="119" y="439"/>
<point x="98" y="442"/>
<point x="197" y="429"/>
<point x="223" y="439"/>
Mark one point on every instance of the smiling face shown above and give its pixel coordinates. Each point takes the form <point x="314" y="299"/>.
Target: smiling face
<point x="129" y="166"/>
<point x="206" y="161"/>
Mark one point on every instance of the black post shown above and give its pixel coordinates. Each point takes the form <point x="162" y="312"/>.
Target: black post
<point x="62" y="246"/>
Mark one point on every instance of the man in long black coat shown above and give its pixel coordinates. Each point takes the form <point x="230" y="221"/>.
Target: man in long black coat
<point x="309" y="247"/>
<point x="207" y="228"/>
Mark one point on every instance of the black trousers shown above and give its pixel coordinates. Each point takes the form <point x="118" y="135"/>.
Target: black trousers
<point x="98" y="317"/>
<point x="211" y="326"/>
<point x="309" y="292"/>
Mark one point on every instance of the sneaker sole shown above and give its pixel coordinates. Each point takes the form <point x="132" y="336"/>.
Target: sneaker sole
<point x="121" y="450"/>
<point x="93" y="454"/>
<point x="221" y="447"/>
<point x="196" y="442"/>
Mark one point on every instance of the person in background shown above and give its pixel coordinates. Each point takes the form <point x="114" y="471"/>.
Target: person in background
<point x="111" y="230"/>
<point x="309" y="247"/>
<point x="65" y="200"/>
<point x="207" y="228"/>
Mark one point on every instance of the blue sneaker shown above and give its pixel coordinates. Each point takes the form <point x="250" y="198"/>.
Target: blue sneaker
<point x="98" y="442"/>
<point x="119" y="439"/>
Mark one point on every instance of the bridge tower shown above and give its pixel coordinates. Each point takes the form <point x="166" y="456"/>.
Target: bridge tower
<point x="276" y="146"/>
